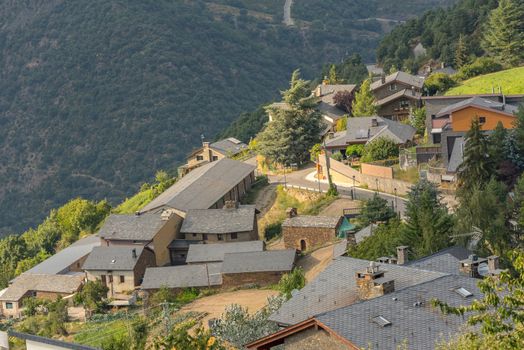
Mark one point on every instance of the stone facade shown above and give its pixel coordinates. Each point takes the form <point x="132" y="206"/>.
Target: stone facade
<point x="306" y="238"/>
<point x="233" y="280"/>
<point x="313" y="339"/>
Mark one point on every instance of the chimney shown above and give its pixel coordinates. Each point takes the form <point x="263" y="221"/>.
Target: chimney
<point x="442" y="65"/>
<point x="331" y="135"/>
<point x="133" y="252"/>
<point x="371" y="282"/>
<point x="493" y="263"/>
<point x="470" y="266"/>
<point x="205" y="144"/>
<point x="402" y="255"/>
<point x="374" y="122"/>
<point x="291" y="212"/>
<point x="231" y="205"/>
<point x="137" y="213"/>
<point x="383" y="78"/>
<point x="412" y="90"/>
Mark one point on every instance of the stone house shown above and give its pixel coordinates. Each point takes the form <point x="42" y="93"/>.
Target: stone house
<point x="120" y="268"/>
<point x="256" y="268"/>
<point x="42" y="286"/>
<point x="210" y="152"/>
<point x="307" y="232"/>
<point x="232" y="223"/>
<point x="396" y="94"/>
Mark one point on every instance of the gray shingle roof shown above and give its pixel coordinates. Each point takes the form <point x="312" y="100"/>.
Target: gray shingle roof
<point x="402" y="93"/>
<point x="214" y="221"/>
<point x="24" y="283"/>
<point x="131" y="227"/>
<point x="269" y="260"/>
<point x="420" y="325"/>
<point x="229" y="146"/>
<point x="312" y="221"/>
<point x="117" y="258"/>
<point x="53" y="342"/>
<point x="360" y="130"/>
<point x="195" y="275"/>
<point x="203" y="187"/>
<point x="457" y="155"/>
<point x="364" y="233"/>
<point x="446" y="260"/>
<point x="478" y="102"/>
<point x="402" y="77"/>
<point x="60" y="262"/>
<point x="200" y="253"/>
<point x="335" y="287"/>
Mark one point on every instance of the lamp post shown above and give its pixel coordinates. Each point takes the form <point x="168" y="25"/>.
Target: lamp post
<point x="376" y="182"/>
<point x="353" y="189"/>
<point x="395" y="191"/>
<point x="318" y="177"/>
<point x="285" y="181"/>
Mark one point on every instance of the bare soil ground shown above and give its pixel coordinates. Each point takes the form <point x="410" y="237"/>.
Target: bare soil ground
<point x="214" y="305"/>
<point x="337" y="207"/>
<point x="316" y="262"/>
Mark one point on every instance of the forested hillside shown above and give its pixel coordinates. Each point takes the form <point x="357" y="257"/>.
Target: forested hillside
<point x="95" y="96"/>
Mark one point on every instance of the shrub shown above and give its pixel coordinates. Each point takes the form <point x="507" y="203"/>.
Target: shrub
<point x="337" y="156"/>
<point x="482" y="65"/>
<point x="354" y="150"/>
<point x="380" y="149"/>
<point x="438" y="83"/>
<point x="273" y="230"/>
<point x="296" y="279"/>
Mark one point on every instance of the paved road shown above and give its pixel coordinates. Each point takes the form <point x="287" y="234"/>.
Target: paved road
<point x="298" y="179"/>
<point x="288" y="20"/>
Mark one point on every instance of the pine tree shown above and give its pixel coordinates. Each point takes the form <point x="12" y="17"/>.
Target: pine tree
<point x="333" y="78"/>
<point x="504" y="33"/>
<point x="477" y="167"/>
<point x="496" y="144"/>
<point x="299" y="94"/>
<point x="364" y="103"/>
<point x="461" y="52"/>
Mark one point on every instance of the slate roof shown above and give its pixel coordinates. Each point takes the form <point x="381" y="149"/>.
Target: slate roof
<point x="24" y="283"/>
<point x="131" y="227"/>
<point x="265" y="261"/>
<point x="335" y="287"/>
<point x="214" y="221"/>
<point x="478" y="102"/>
<point x="185" y="276"/>
<point x="446" y="260"/>
<point x="421" y="325"/>
<point x="402" y="77"/>
<point x="330" y="111"/>
<point x="360" y="130"/>
<point x="116" y="258"/>
<point x="332" y="89"/>
<point x="312" y="221"/>
<point x="229" y="146"/>
<point x="202" y="253"/>
<point x="457" y="155"/>
<point x="203" y="187"/>
<point x="402" y="93"/>
<point x="59" y="344"/>
<point x="60" y="262"/>
<point x="364" y="233"/>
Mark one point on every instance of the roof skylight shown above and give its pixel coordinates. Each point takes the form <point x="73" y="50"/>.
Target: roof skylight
<point x="463" y="292"/>
<point x="381" y="321"/>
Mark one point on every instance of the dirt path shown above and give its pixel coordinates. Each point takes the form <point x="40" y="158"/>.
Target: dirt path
<point x="288" y="20"/>
<point x="215" y="305"/>
<point x="316" y="262"/>
<point x="265" y="199"/>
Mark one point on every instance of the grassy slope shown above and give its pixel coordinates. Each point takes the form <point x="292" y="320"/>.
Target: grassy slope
<point x="511" y="81"/>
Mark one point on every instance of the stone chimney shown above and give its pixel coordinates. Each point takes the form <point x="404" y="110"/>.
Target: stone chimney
<point x="493" y="263"/>
<point x="291" y="212"/>
<point x="413" y="90"/>
<point x="133" y="252"/>
<point x="374" y="122"/>
<point x="383" y="78"/>
<point x="402" y="255"/>
<point x="371" y="283"/>
<point x="470" y="266"/>
<point x="231" y="205"/>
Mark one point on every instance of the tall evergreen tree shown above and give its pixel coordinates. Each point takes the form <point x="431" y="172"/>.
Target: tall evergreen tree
<point x="461" y="52"/>
<point x="299" y="93"/>
<point x="519" y="129"/>
<point x="504" y="33"/>
<point x="364" y="103"/>
<point x="496" y="144"/>
<point x="333" y="78"/>
<point x="477" y="167"/>
<point x="428" y="224"/>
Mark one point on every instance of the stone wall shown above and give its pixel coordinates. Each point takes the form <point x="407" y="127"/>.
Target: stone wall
<point x="266" y="278"/>
<point x="313" y="339"/>
<point x="376" y="170"/>
<point x="313" y="236"/>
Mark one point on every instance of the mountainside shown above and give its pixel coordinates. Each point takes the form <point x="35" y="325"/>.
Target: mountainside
<point x="95" y="96"/>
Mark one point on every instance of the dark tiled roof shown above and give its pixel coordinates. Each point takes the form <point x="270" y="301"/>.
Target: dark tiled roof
<point x="478" y="102"/>
<point x="200" y="253"/>
<point x="412" y="317"/>
<point x="203" y="187"/>
<point x="65" y="284"/>
<point x="131" y="227"/>
<point x="402" y="77"/>
<point x="402" y="93"/>
<point x="457" y="155"/>
<point x="60" y="262"/>
<point x="446" y="260"/>
<point x="48" y="341"/>
<point x="214" y="221"/>
<point x="312" y="221"/>
<point x="117" y="258"/>
<point x="269" y="260"/>
<point x="335" y="287"/>
<point x="185" y="276"/>
<point x="229" y="146"/>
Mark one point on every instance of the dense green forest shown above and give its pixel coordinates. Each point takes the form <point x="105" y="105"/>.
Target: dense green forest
<point x="95" y="96"/>
<point x="439" y="31"/>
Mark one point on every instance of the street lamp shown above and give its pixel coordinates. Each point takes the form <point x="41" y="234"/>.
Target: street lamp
<point x="395" y="191"/>
<point x="353" y="189"/>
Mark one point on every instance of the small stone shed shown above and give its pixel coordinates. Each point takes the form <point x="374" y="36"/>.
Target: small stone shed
<point x="306" y="232"/>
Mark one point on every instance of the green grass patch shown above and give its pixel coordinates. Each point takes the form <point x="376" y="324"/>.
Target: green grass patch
<point x="509" y="80"/>
<point x="410" y="175"/>
<point x="96" y="334"/>
<point x="137" y="202"/>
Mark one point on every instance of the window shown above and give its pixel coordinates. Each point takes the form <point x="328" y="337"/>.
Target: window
<point x="8" y="306"/>
<point x="381" y="321"/>
<point x="220" y="237"/>
<point x="393" y="87"/>
<point x="110" y="278"/>
<point x="215" y="158"/>
<point x="204" y="237"/>
<point x="234" y="235"/>
<point x="194" y="234"/>
<point x="404" y="104"/>
<point x="199" y="158"/>
<point x="103" y="278"/>
<point x="482" y="120"/>
<point x="122" y="279"/>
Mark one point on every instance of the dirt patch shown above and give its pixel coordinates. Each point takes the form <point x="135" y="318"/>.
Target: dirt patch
<point x="336" y="208"/>
<point x="316" y="262"/>
<point x="215" y="305"/>
<point x="265" y="199"/>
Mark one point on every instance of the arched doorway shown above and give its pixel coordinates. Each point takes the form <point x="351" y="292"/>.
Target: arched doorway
<point x="303" y="245"/>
